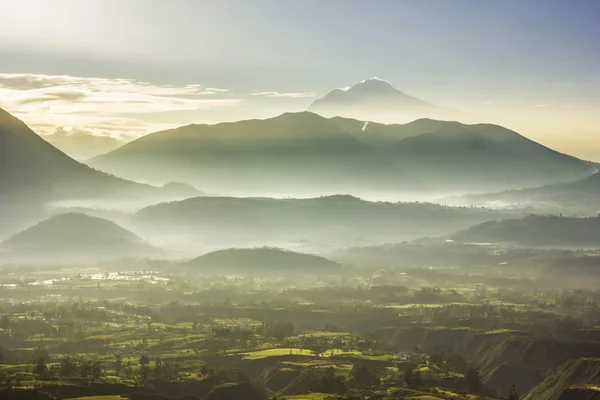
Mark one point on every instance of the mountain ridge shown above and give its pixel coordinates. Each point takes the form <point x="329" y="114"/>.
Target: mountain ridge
<point x="296" y="150"/>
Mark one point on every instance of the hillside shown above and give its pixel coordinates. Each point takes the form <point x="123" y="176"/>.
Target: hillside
<point x="325" y="221"/>
<point x="73" y="237"/>
<point x="576" y="379"/>
<point x="262" y="260"/>
<point x="501" y="378"/>
<point x="304" y="153"/>
<point x="536" y="230"/>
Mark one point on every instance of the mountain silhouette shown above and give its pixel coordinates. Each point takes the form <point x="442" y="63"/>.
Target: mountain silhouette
<point x="288" y="152"/>
<point x="488" y="154"/>
<point x="295" y="152"/>
<point x="31" y="168"/>
<point x="73" y="237"/>
<point x="376" y="100"/>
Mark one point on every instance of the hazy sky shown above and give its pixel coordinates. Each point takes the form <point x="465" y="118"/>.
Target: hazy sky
<point x="531" y="65"/>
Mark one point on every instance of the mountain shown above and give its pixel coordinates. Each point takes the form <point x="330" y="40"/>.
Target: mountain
<point x="304" y="154"/>
<point x="262" y="260"/>
<point x="33" y="173"/>
<point x="73" y="237"/>
<point x="330" y="221"/>
<point x="456" y="156"/>
<point x="288" y="152"/>
<point x="536" y="230"/>
<point x="376" y="100"/>
<point x="30" y="167"/>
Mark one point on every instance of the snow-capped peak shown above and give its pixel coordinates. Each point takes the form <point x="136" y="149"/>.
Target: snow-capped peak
<point x="374" y="79"/>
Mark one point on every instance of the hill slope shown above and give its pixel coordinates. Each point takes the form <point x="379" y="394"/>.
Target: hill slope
<point x="262" y="260"/>
<point x="536" y="230"/>
<point x="578" y="378"/>
<point x="305" y="154"/>
<point x="73" y="237"/>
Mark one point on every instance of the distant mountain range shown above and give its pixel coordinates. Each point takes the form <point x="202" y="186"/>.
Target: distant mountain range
<point x="536" y="230"/>
<point x="74" y="237"/>
<point x="580" y="197"/>
<point x="376" y="100"/>
<point x="325" y="222"/>
<point x="296" y="153"/>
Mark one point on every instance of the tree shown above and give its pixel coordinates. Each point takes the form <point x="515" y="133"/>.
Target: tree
<point x="40" y="369"/>
<point x="144" y="359"/>
<point x="360" y="375"/>
<point x="96" y="370"/>
<point x="417" y="379"/>
<point x="143" y="377"/>
<point x="329" y="382"/>
<point x="8" y="381"/>
<point x="408" y="376"/>
<point x="67" y="367"/>
<point x="473" y="380"/>
<point x="512" y="393"/>
<point x="280" y="330"/>
<point x="164" y="372"/>
<point x="118" y="364"/>
<point x="204" y="370"/>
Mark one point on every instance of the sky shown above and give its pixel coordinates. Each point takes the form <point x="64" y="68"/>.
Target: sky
<point x="126" y="68"/>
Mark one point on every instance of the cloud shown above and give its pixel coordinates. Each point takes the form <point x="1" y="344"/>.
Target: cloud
<point x="113" y="107"/>
<point x="49" y="94"/>
<point x="284" y="94"/>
